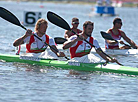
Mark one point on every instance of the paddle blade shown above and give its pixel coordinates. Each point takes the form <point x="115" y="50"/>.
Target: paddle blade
<point x="106" y="35"/>
<point x="7" y="15"/>
<point x="57" y="20"/>
<point x="59" y="40"/>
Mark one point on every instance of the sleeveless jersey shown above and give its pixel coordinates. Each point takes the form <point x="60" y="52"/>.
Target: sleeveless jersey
<point x="77" y="32"/>
<point x="31" y="49"/>
<point x="116" y="37"/>
<point x="73" y="50"/>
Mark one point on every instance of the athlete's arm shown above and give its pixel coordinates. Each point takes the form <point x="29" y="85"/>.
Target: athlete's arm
<point x="128" y="40"/>
<point x="20" y="40"/>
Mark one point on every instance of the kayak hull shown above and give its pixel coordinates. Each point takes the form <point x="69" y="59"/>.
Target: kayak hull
<point x="108" y="51"/>
<point x="72" y="65"/>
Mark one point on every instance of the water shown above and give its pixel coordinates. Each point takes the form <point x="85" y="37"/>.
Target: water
<point x="28" y="83"/>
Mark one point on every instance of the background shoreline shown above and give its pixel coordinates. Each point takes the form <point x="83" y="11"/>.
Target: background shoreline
<point x="124" y="4"/>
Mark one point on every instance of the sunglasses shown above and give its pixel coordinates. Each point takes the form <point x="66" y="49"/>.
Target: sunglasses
<point x="75" y="22"/>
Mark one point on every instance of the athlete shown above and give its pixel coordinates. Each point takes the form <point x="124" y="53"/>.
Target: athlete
<point x="117" y="34"/>
<point x="75" y="23"/>
<point x="78" y="47"/>
<point x="33" y="44"/>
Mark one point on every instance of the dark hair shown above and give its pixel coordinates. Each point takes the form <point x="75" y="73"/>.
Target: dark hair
<point x="116" y="20"/>
<point x="75" y="19"/>
<point x="88" y="23"/>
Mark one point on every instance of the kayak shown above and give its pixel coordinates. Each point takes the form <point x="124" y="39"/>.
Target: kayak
<point x="108" y="51"/>
<point x="121" y="52"/>
<point x="64" y="64"/>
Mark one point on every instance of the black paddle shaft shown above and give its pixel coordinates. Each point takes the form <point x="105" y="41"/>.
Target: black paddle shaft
<point x="8" y="16"/>
<point x="57" y="20"/>
<point x="60" y="22"/>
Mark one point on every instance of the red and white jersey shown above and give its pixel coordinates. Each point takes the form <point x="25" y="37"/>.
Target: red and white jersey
<point x="116" y="37"/>
<point x="34" y="45"/>
<point x="78" y="31"/>
<point x="81" y="48"/>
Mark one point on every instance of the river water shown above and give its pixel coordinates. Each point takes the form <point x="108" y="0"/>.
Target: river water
<point x="42" y="84"/>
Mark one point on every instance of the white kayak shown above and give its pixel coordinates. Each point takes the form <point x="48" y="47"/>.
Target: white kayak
<point x="108" y="51"/>
<point x="121" y="52"/>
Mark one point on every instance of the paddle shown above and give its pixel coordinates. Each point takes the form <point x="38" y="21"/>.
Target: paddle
<point x="57" y="20"/>
<point x="59" y="40"/>
<point x="109" y="37"/>
<point x="7" y="15"/>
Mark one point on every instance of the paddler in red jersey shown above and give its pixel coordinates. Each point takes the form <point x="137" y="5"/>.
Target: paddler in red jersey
<point x="75" y="23"/>
<point x="78" y="47"/>
<point x="117" y="34"/>
<point x="33" y="44"/>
